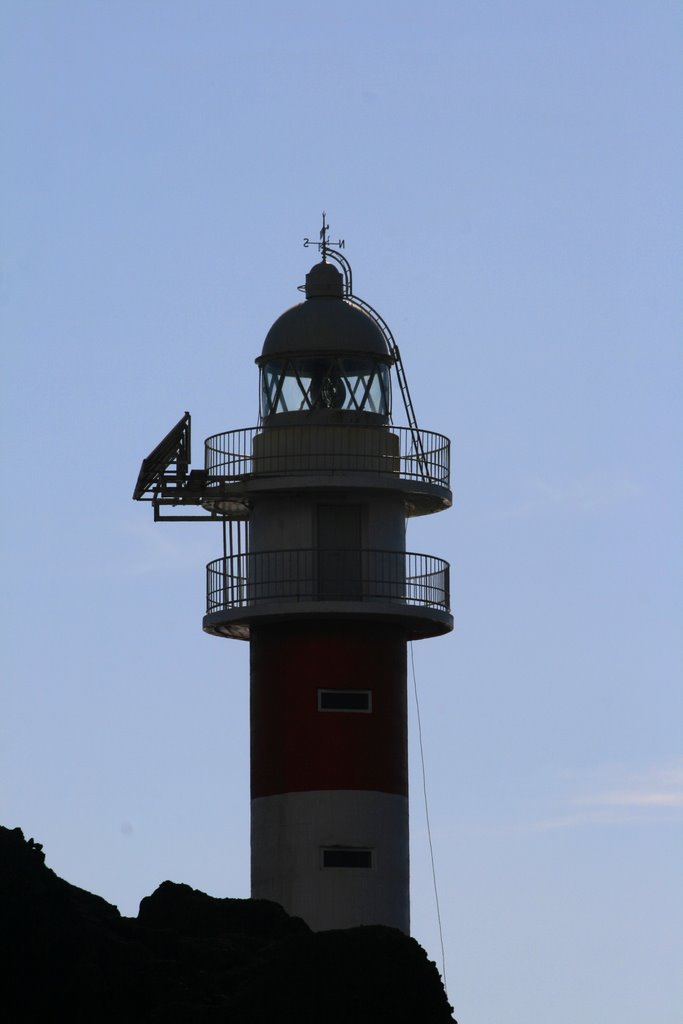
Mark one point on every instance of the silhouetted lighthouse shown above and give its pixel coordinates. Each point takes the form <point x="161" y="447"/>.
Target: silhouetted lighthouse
<point x="316" y="576"/>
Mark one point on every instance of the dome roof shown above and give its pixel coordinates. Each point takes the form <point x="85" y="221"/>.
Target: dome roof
<point x="325" y="323"/>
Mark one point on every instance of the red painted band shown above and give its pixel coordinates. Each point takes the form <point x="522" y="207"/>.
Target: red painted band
<point x="295" y="747"/>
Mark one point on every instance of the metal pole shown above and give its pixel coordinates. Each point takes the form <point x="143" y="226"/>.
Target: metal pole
<point x="225" y="571"/>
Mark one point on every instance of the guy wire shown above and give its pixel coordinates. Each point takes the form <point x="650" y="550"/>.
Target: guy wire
<point x="429" y="828"/>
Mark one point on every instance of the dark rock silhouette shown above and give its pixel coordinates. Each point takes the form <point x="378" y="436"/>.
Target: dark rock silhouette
<point x="193" y="958"/>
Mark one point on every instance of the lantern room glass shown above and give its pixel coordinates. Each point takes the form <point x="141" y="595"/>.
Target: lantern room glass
<point x="347" y="383"/>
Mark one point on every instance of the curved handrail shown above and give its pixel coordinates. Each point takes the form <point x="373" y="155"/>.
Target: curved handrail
<point x="314" y="574"/>
<point x="329" y="448"/>
<point x="400" y="373"/>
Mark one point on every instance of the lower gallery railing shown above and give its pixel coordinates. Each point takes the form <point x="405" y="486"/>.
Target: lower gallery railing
<point x="311" y="574"/>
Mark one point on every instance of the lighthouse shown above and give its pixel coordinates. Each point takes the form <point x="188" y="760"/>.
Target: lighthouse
<point x="316" y="576"/>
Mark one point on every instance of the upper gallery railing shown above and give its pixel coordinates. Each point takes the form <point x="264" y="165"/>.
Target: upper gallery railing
<point x="305" y="449"/>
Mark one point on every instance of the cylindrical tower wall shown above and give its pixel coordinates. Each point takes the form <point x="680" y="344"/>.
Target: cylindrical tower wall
<point x="330" y="772"/>
<point x="284" y="521"/>
<point x="336" y="447"/>
<point x="321" y="546"/>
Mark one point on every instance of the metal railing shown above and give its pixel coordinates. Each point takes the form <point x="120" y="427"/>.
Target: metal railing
<point x="282" y="451"/>
<point x="311" y="574"/>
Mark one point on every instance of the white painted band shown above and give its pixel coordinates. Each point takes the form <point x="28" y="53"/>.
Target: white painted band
<point x="289" y="832"/>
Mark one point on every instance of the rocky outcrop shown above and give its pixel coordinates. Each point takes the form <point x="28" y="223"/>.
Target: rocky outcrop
<point x="190" y="957"/>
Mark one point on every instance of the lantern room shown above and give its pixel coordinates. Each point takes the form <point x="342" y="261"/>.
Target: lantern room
<point x="325" y="356"/>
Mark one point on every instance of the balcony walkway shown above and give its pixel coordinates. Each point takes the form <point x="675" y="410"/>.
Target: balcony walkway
<point x="404" y="587"/>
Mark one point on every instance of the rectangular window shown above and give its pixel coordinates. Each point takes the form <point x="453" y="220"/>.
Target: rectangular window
<point x="345" y="700"/>
<point x="340" y="857"/>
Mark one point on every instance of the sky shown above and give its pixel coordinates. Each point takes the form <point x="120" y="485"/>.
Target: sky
<point x="507" y="177"/>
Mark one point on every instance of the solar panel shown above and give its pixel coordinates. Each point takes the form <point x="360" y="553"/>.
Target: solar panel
<point x="174" y="448"/>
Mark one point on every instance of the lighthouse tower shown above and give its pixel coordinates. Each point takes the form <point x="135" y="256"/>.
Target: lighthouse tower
<point x="316" y="576"/>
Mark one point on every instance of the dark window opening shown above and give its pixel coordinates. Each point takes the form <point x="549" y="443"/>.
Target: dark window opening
<point x="345" y="700"/>
<point x="340" y="858"/>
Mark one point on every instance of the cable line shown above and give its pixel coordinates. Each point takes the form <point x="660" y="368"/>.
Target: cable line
<point x="429" y="828"/>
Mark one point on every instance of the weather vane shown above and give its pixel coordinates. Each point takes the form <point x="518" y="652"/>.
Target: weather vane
<point x="324" y="244"/>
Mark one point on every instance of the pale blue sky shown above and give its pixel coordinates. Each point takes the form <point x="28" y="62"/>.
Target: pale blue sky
<point x="507" y="179"/>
